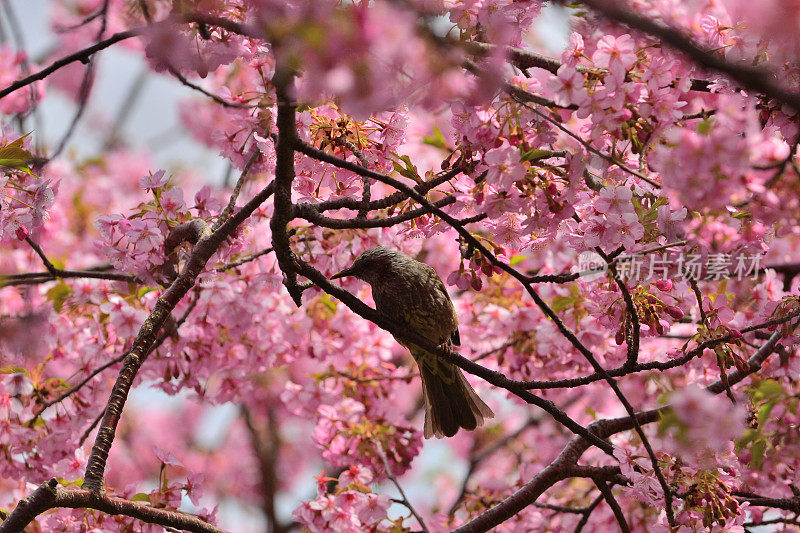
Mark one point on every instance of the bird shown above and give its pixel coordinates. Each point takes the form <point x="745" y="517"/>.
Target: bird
<point x="412" y="295"/>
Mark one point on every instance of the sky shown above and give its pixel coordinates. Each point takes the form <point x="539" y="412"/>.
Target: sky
<point x="153" y="123"/>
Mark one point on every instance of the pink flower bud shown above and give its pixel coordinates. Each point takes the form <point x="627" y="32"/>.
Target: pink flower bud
<point x="619" y="338"/>
<point x="664" y="285"/>
<point x="22" y="233"/>
<point x="477" y="283"/>
<point x="674" y="312"/>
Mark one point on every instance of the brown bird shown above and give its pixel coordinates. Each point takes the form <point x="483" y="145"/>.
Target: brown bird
<point x="411" y="294"/>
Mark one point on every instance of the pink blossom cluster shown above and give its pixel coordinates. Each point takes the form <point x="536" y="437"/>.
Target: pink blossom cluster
<point x="620" y="146"/>
<point x="351" y="507"/>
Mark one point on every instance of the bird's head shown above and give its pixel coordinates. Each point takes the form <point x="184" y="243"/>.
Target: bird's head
<point x="373" y="264"/>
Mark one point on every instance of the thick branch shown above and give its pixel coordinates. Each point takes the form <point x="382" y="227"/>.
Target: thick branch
<point x="205" y="248"/>
<point x="284" y="176"/>
<point x="50" y="496"/>
<point x="558" y="469"/>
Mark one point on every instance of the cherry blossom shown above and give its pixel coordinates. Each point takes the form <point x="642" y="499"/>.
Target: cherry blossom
<point x="173" y="347"/>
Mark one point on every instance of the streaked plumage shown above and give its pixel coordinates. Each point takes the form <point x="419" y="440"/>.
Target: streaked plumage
<point x="412" y="295"/>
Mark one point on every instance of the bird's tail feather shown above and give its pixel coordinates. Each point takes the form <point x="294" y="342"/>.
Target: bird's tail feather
<point x="450" y="401"/>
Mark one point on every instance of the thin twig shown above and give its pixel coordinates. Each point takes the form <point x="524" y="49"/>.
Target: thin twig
<point x="80" y="55"/>
<point x="405" y="501"/>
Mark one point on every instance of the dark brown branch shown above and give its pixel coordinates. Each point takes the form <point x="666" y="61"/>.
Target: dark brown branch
<point x="78" y="386"/>
<point x="85" y="89"/>
<point x="477" y="458"/>
<point x="654" y="365"/>
<point x="89" y="429"/>
<point x="50" y="496"/>
<point x="633" y="332"/>
<point x="226" y="24"/>
<point x="47" y="264"/>
<point x="218" y="99"/>
<point x="786" y="504"/>
<point x="30" y="278"/>
<point x="313" y="275"/>
<point x="525" y="59"/>
<point x="36" y="278"/>
<point x="206" y="246"/>
<point x="493" y="377"/>
<point x="517" y="95"/>
<point x="266" y="449"/>
<point x="283" y="212"/>
<point x="563" y="467"/>
<point x="310" y="213"/>
<point x="75" y="388"/>
<point x="577" y="446"/>
<point x="588" y="513"/>
<point x="237" y="189"/>
<point x="390" y="200"/>
<point x="81" y="55"/>
<point x="605" y="490"/>
<point x="243" y="260"/>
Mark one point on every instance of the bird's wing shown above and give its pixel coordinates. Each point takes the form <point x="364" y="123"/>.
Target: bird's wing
<point x="455" y="338"/>
<point x="418" y="302"/>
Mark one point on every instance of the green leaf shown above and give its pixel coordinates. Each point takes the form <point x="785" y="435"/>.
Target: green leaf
<point x="668" y="419"/>
<point x="13" y="155"/>
<point x="329" y="302"/>
<point x="534" y="155"/>
<point x="436" y="139"/>
<point x="407" y="170"/>
<point x="560" y="303"/>
<point x="757" y="452"/>
<point x="144" y="290"/>
<point x="141" y="497"/>
<point x="517" y="259"/>
<point x="58" y="294"/>
<point x="763" y="413"/>
<point x="770" y="387"/>
<point x="751" y="435"/>
<point x="13" y="370"/>
<point x="704" y="127"/>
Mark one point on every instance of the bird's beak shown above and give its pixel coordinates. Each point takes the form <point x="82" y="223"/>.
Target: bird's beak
<point x="343" y="273"/>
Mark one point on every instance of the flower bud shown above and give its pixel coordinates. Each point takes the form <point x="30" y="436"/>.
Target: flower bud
<point x="674" y="312"/>
<point x="664" y="285"/>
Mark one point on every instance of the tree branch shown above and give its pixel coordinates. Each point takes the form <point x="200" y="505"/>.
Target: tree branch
<point x="206" y="246"/>
<point x="50" y="496"/>
<point x="81" y="55"/>
<point x="755" y="79"/>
